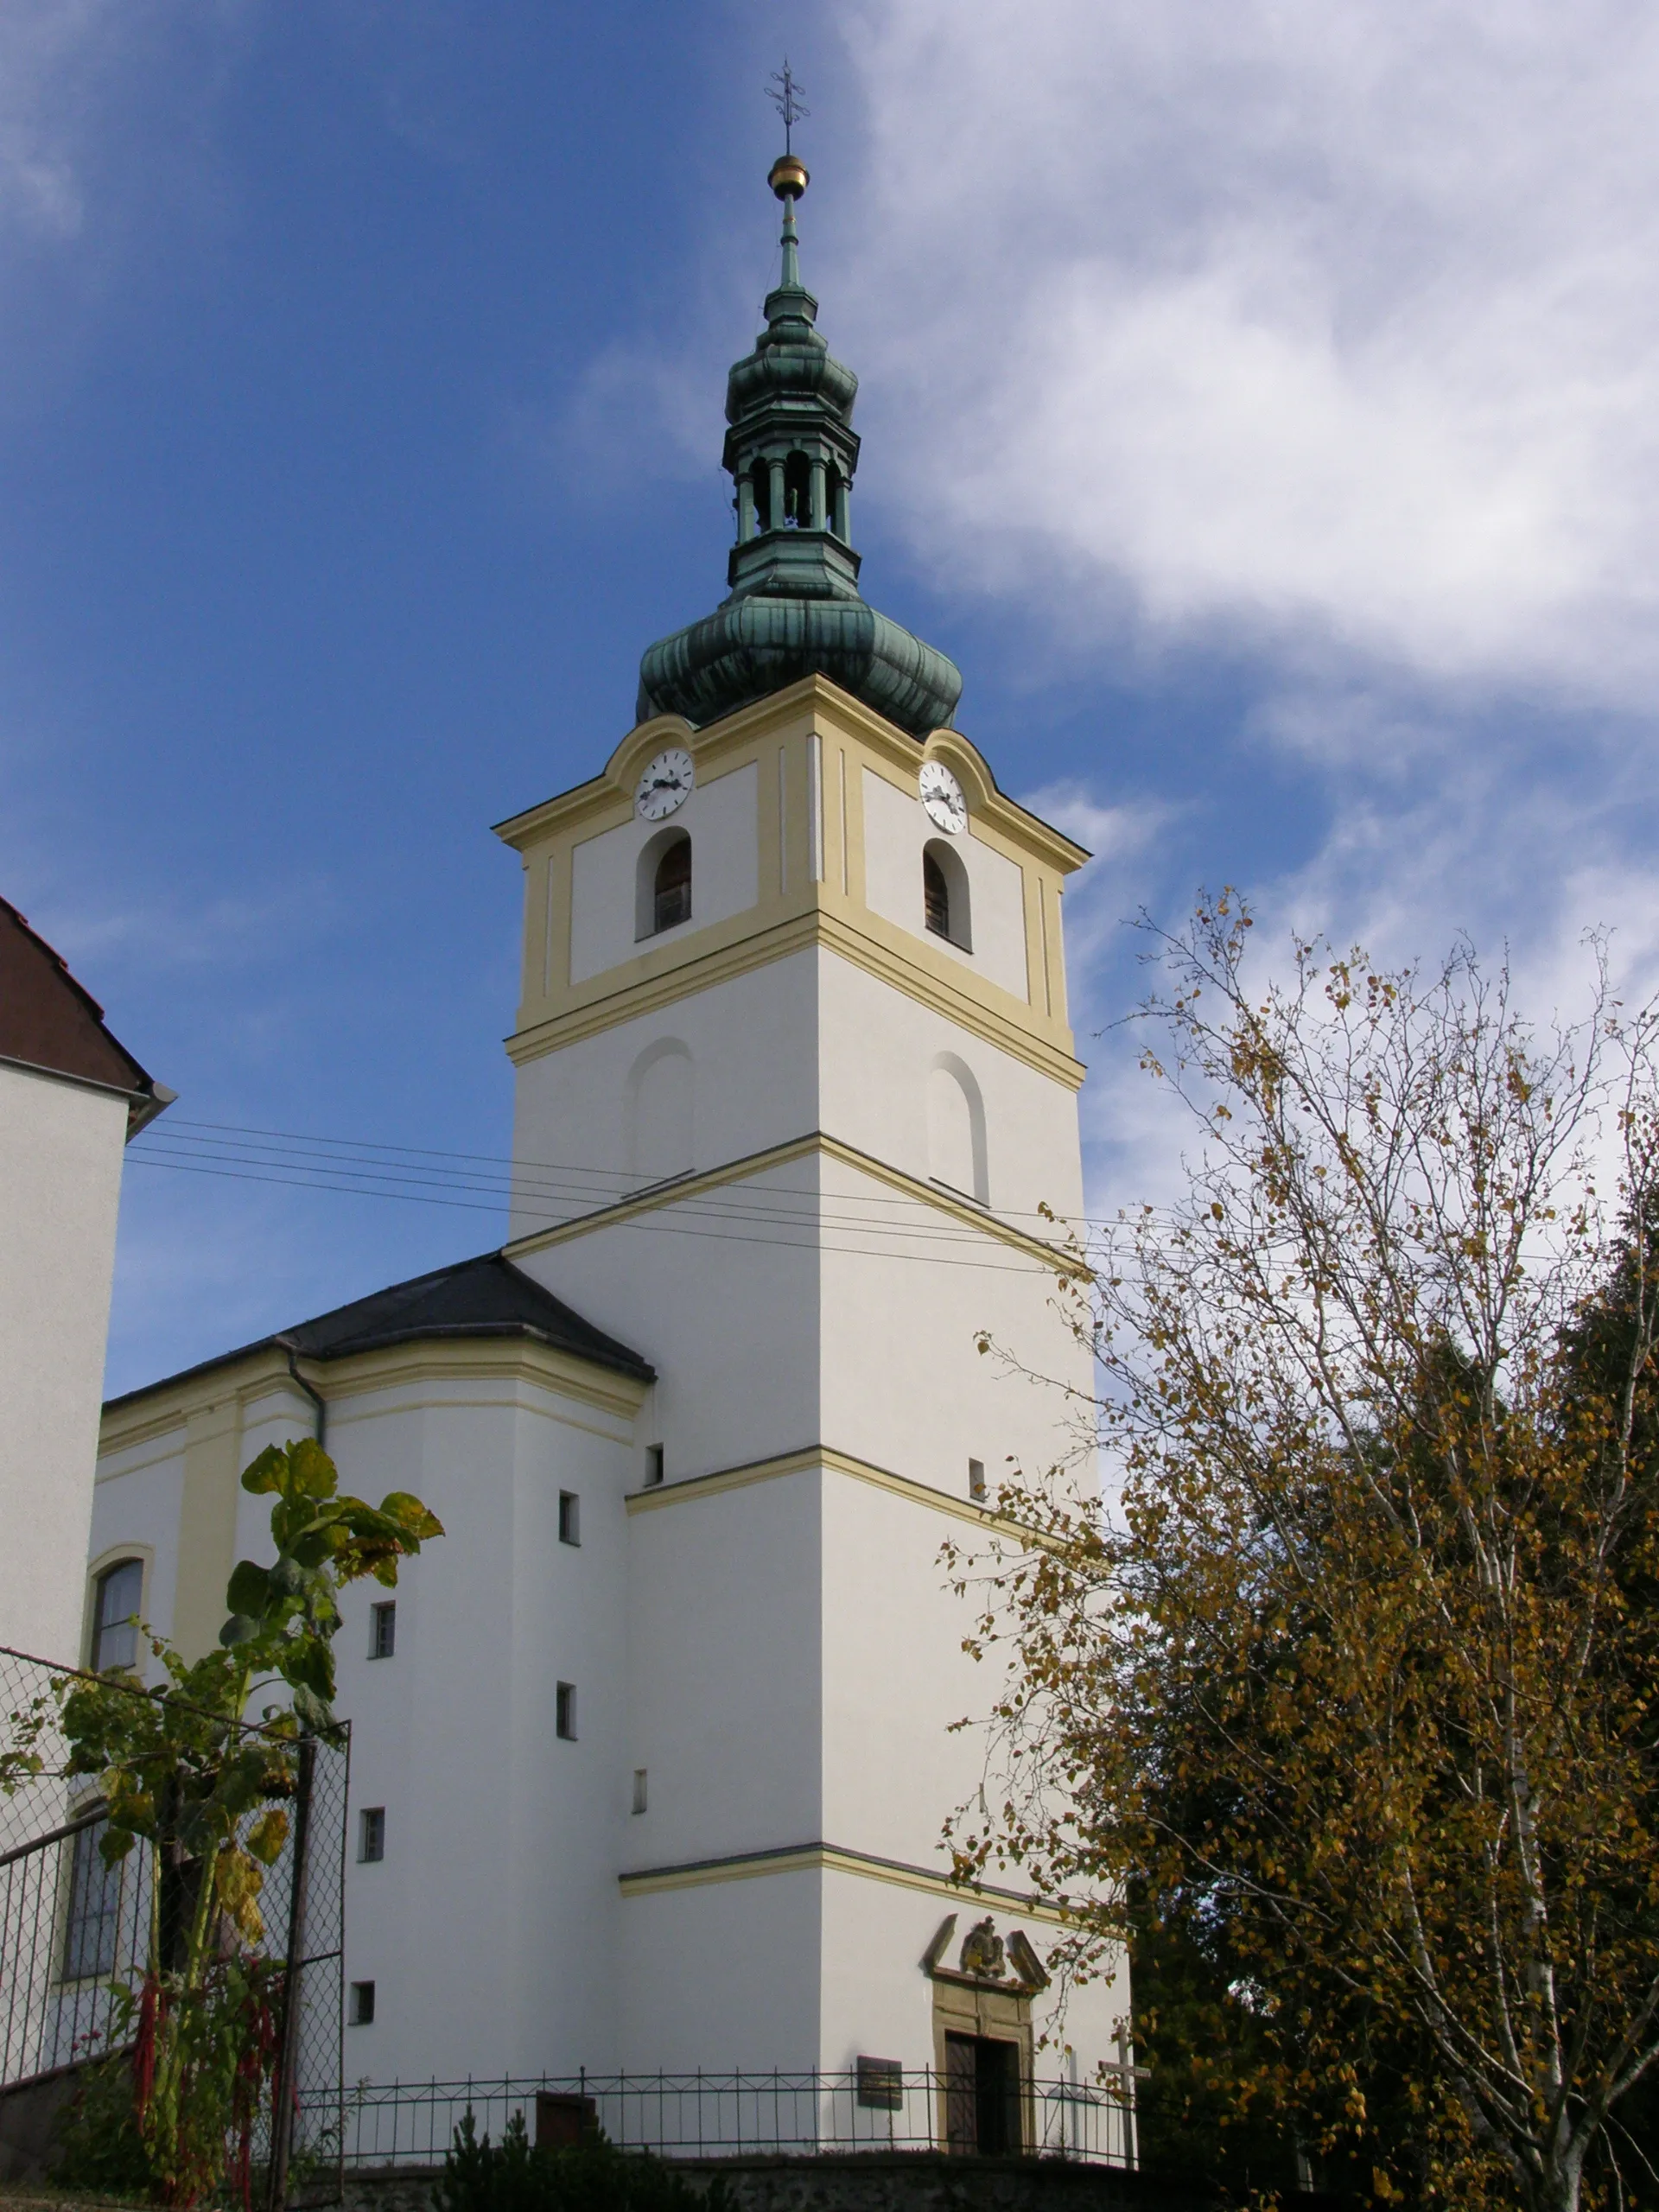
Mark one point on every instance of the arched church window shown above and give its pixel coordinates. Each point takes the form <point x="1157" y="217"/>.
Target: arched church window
<point x="115" y="1629"/>
<point x="798" y="491"/>
<point x="944" y="893"/>
<point x="670" y="888"/>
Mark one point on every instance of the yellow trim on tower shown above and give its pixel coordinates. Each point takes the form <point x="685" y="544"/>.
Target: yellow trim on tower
<point x="690" y="1488"/>
<point x="832" y="1858"/>
<point x="796" y="905"/>
<point x="661" y="1195"/>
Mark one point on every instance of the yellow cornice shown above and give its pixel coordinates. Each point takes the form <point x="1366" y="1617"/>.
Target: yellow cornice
<point x="688" y="1489"/>
<point x="663" y="1195"/>
<point x="833" y="1859"/>
<point x="880" y="947"/>
<point x="144" y="1414"/>
<point x="237" y="1383"/>
<point x="812" y="698"/>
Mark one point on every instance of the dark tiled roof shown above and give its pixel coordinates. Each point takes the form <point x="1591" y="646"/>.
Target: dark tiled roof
<point x="50" y="1021"/>
<point x="485" y="1297"/>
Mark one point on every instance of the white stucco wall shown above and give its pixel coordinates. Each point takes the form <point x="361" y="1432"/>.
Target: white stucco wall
<point x="896" y="828"/>
<point x="720" y="818"/>
<point x="489" y="1928"/>
<point x="752" y="1048"/>
<point x="61" y="1148"/>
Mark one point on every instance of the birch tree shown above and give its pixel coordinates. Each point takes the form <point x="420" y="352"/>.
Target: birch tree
<point x="1358" y="1661"/>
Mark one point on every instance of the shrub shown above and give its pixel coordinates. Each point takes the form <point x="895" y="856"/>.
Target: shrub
<point x="511" y="2175"/>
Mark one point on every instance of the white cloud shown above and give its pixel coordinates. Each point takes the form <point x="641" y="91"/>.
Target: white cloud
<point x="1329" y="322"/>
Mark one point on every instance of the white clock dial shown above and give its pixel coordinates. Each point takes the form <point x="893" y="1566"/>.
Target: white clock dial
<point x="941" y="796"/>
<point x="665" y="785"/>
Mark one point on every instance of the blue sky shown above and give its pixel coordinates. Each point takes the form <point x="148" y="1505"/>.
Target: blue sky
<point x="1258" y="404"/>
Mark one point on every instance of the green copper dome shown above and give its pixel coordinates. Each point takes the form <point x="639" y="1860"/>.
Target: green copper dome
<point x="794" y="609"/>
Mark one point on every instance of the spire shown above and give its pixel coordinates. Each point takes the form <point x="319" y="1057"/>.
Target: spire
<point x="795" y="606"/>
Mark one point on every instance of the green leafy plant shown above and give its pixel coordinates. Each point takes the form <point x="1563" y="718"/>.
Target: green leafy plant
<point x="187" y="1774"/>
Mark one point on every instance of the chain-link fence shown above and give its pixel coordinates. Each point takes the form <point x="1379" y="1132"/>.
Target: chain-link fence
<point x="77" y="1935"/>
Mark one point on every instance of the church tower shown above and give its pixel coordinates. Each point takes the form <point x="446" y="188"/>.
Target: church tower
<point x="651" y="1754"/>
<point x="797" y="1120"/>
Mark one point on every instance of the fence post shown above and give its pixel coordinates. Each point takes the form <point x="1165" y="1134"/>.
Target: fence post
<point x="284" y="2087"/>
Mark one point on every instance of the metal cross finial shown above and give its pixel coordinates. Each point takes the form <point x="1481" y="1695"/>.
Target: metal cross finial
<point x="784" y="91"/>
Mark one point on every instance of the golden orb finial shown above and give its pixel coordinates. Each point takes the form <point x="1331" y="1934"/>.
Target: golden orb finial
<point x="789" y="178"/>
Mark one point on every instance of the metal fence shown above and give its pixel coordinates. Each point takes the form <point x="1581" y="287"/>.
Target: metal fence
<point x="723" y="2115"/>
<point x="75" y="1934"/>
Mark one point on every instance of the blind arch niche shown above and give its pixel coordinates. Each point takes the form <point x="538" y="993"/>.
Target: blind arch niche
<point x="956" y="1128"/>
<point x="660" y="1103"/>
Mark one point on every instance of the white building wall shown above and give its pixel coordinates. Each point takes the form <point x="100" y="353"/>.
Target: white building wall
<point x="720" y="818"/>
<point x="723" y="1974"/>
<point x="490" y="1927"/>
<point x="725" y="1604"/>
<point x="61" y="1148"/>
<point x="752" y="1043"/>
<point x="896" y="828"/>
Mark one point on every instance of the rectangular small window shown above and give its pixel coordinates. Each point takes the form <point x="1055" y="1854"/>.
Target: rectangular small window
<point x="569" y="1517"/>
<point x="92" y="1923"/>
<point x="361" y="2012"/>
<point x="653" y="1464"/>
<point x="383" y="1629"/>
<point x="371" y="1832"/>
<point x="640" y="1789"/>
<point x="976" y="1479"/>
<point x="565" y="1712"/>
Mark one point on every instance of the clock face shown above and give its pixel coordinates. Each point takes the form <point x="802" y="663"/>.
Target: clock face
<point x="665" y="785"/>
<point x="941" y="796"/>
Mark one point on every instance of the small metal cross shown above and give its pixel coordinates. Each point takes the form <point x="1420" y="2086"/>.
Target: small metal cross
<point x="784" y="91"/>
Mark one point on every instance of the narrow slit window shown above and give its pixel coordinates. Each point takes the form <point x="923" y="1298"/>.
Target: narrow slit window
<point x="671" y="889"/>
<point x="564" y="1717"/>
<point x="976" y="1480"/>
<point x="640" y="1792"/>
<point x="569" y="1517"/>
<point x="371" y="1834"/>
<point x="653" y="1466"/>
<point x="383" y="1629"/>
<point x="361" y="2014"/>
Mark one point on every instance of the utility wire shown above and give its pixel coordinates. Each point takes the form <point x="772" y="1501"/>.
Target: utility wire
<point x="722" y="1203"/>
<point x="651" y="1223"/>
<point x="522" y="1175"/>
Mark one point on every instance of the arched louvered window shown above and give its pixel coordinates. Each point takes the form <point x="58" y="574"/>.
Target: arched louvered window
<point x="945" y="902"/>
<point x="936" y="896"/>
<point x="672" y="886"/>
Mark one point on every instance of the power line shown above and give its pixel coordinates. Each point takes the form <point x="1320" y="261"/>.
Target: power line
<point x="651" y="1223"/>
<point x="519" y="1172"/>
<point x="722" y="1203"/>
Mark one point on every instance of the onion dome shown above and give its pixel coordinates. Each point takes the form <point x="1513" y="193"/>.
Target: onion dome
<point x="794" y="608"/>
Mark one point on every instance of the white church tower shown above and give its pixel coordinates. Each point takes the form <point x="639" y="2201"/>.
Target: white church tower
<point x="794" y="1007"/>
<point x="657" y="1751"/>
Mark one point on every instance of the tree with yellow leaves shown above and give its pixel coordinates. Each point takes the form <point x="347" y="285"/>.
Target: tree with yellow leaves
<point x="1355" y="1663"/>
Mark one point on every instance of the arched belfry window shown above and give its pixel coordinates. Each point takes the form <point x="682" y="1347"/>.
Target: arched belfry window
<point x="663" y="899"/>
<point x="798" y="491"/>
<point x="944" y="893"/>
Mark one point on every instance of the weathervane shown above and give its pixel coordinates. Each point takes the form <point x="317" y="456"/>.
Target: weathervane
<point x="784" y="91"/>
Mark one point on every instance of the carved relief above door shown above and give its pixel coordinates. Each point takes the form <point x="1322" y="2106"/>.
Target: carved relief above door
<point x="982" y="2039"/>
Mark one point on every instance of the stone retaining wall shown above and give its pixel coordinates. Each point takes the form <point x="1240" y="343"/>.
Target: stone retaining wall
<point x="898" y="2180"/>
